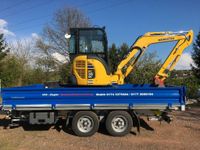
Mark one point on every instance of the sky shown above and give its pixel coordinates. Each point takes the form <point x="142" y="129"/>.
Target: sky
<point x="124" y="20"/>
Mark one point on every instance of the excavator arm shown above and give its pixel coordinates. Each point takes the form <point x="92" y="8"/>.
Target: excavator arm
<point x="183" y="39"/>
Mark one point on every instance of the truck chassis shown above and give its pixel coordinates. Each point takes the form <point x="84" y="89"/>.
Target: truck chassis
<point x="118" y="106"/>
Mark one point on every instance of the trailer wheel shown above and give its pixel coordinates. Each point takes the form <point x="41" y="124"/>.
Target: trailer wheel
<point x="119" y="123"/>
<point x="85" y="123"/>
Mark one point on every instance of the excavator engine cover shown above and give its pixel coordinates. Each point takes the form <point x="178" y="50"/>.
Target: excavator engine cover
<point x="90" y="69"/>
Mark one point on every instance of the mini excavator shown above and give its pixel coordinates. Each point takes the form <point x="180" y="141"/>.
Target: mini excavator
<point x="88" y="50"/>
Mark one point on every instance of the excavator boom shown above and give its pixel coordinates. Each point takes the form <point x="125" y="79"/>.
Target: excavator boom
<point x="183" y="38"/>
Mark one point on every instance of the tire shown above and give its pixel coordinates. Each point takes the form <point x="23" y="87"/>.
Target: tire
<point x="119" y="123"/>
<point x="85" y="123"/>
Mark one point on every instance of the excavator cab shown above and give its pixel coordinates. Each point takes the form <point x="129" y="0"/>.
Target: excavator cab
<point x="88" y="41"/>
<point x="88" y="51"/>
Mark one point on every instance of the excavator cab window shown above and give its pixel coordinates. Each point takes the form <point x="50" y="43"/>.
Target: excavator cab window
<point x="72" y="44"/>
<point x="91" y="42"/>
<point x="88" y="41"/>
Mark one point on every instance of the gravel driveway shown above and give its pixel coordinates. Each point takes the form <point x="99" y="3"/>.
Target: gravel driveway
<point x="182" y="133"/>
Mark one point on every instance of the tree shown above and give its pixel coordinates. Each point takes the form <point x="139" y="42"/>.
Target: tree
<point x="184" y="78"/>
<point x="196" y="57"/>
<point x="123" y="51"/>
<point x="48" y="67"/>
<point x="145" y="69"/>
<point x="4" y="49"/>
<point x="34" y="76"/>
<point x="23" y="51"/>
<point x="53" y="34"/>
<point x="10" y="71"/>
<point x="21" y="66"/>
<point x="116" y="55"/>
<point x="112" y="53"/>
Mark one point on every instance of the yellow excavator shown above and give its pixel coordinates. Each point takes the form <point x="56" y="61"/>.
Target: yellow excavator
<point x="88" y="50"/>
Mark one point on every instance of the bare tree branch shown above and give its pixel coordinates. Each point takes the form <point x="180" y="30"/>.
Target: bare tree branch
<point x="53" y="34"/>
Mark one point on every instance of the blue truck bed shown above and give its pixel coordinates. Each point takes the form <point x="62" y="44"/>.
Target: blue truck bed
<point x="129" y="96"/>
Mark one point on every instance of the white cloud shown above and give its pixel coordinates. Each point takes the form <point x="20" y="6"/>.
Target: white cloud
<point x="184" y="62"/>
<point x="35" y="36"/>
<point x="3" y="28"/>
<point x="31" y="38"/>
<point x="3" y="23"/>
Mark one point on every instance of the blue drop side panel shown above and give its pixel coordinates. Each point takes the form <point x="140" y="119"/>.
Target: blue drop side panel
<point x="119" y="94"/>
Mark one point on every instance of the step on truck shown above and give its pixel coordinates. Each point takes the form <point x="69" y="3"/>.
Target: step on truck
<point x="83" y="108"/>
